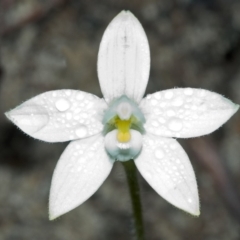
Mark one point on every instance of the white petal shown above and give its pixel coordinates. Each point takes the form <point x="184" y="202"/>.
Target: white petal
<point x="80" y="171"/>
<point x="166" y="167"/>
<point x="124" y="58"/>
<point x="123" y="151"/>
<point x="185" y="112"/>
<point x="61" y="115"/>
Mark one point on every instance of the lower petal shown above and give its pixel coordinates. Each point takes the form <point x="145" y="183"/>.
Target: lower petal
<point x="80" y="171"/>
<point x="123" y="151"/>
<point x="166" y="167"/>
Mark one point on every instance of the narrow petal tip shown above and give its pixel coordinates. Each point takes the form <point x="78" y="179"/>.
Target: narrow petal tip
<point x="194" y="208"/>
<point x="52" y="217"/>
<point x="125" y="14"/>
<point x="7" y="115"/>
<point x="29" y="119"/>
<point x="236" y="108"/>
<point x="56" y="211"/>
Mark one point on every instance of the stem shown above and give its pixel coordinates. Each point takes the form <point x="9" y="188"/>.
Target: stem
<point x="134" y="190"/>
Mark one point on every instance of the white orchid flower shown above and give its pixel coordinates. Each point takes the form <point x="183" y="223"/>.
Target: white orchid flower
<point x="122" y="126"/>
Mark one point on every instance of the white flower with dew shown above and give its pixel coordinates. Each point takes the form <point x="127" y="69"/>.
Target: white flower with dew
<point x="122" y="126"/>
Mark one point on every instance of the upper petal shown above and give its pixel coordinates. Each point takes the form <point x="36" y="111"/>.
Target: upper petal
<point x="80" y="171"/>
<point x="166" y="167"/>
<point x="185" y="112"/>
<point x="124" y="58"/>
<point x="61" y="115"/>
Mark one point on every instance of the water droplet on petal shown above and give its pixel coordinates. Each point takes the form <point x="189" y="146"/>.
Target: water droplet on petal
<point x="79" y="168"/>
<point x="168" y="94"/>
<point x="202" y="93"/>
<point x="69" y="116"/>
<point x="81" y="131"/>
<point x="177" y="102"/>
<point x="79" y="96"/>
<point x="175" y="124"/>
<point x="170" y="113"/>
<point x="161" y="120"/>
<point x="54" y="94"/>
<point x="148" y="97"/>
<point x="62" y="104"/>
<point x="188" y="91"/>
<point x="173" y="145"/>
<point x="155" y="123"/>
<point x="157" y="95"/>
<point x="163" y="104"/>
<point x="154" y="102"/>
<point x="68" y="92"/>
<point x="159" y="153"/>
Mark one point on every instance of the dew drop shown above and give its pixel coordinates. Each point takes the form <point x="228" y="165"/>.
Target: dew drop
<point x="54" y="94"/>
<point x="79" y="96"/>
<point x="154" y="102"/>
<point x="173" y="145"/>
<point x="157" y="95"/>
<point x="161" y="120"/>
<point x="84" y="115"/>
<point x="68" y="92"/>
<point x="158" y="132"/>
<point x="81" y="131"/>
<point x="168" y="94"/>
<point x="177" y="102"/>
<point x="79" y="168"/>
<point x="175" y="124"/>
<point x="202" y="93"/>
<point x="188" y="91"/>
<point x="62" y="104"/>
<point x="163" y="104"/>
<point x="155" y="123"/>
<point x="69" y="116"/>
<point x="170" y="113"/>
<point x="159" y="153"/>
<point x="148" y="97"/>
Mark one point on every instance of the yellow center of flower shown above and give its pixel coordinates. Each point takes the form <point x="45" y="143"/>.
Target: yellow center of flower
<point x="123" y="127"/>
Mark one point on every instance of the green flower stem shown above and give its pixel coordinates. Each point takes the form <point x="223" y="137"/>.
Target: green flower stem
<point x="134" y="190"/>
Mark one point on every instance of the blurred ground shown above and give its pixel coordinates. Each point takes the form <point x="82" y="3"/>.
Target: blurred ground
<point x="53" y="44"/>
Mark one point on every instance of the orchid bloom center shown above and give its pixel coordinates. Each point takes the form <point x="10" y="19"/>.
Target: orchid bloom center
<point x="123" y="122"/>
<point x="123" y="126"/>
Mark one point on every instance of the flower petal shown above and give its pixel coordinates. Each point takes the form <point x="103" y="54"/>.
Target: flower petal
<point x="61" y="115"/>
<point x="123" y="151"/>
<point x="80" y="171"/>
<point x="124" y="59"/>
<point x="185" y="112"/>
<point x="166" y="167"/>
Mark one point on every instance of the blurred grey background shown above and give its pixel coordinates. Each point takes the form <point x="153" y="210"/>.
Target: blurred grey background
<point x="53" y="44"/>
